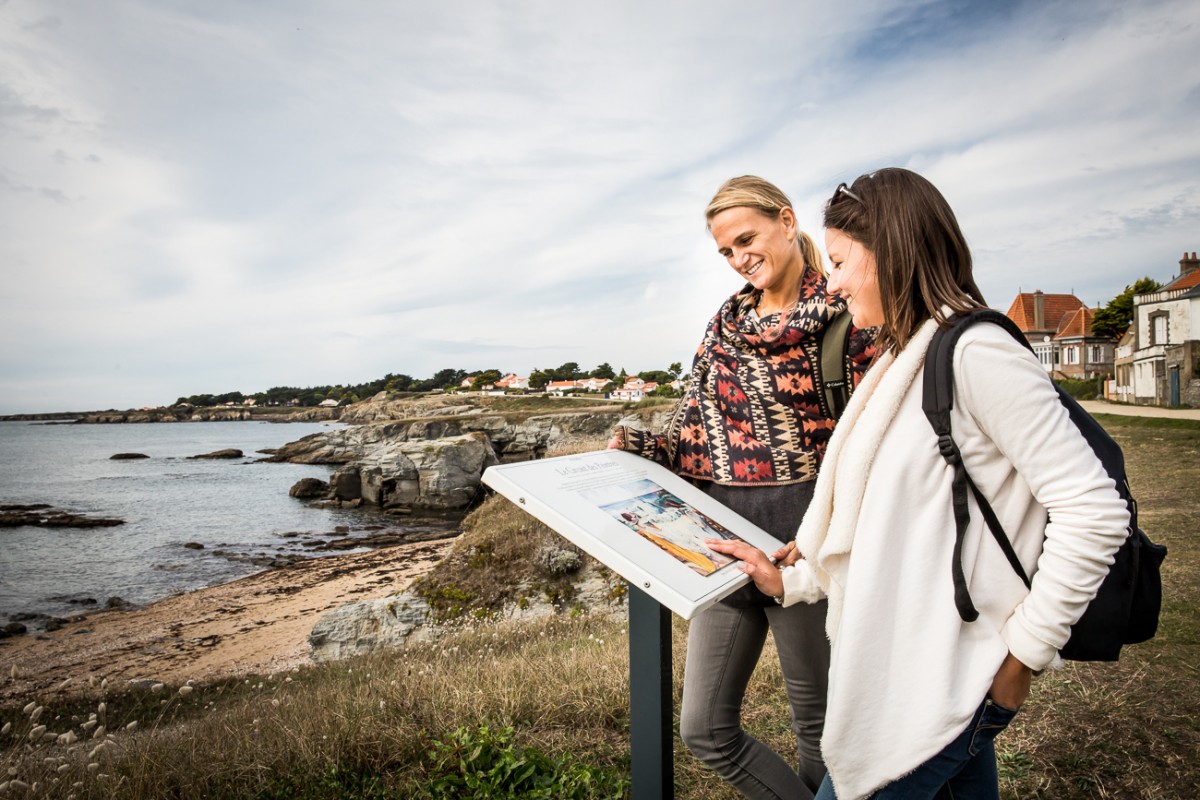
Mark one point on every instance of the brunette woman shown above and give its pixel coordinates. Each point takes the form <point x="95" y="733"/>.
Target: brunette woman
<point x="917" y="695"/>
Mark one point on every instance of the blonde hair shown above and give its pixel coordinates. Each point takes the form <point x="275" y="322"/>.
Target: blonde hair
<point x="750" y="191"/>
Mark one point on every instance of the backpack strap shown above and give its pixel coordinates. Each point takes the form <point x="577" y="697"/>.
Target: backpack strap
<point x="835" y="341"/>
<point x="937" y="400"/>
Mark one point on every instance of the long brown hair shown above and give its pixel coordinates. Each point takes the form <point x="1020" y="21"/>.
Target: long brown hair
<point x="750" y="191"/>
<point x="922" y="260"/>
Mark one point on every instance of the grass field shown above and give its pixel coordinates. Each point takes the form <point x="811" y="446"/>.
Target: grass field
<point x="435" y="720"/>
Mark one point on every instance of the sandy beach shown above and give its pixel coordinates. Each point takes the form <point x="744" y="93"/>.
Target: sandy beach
<point x="258" y="624"/>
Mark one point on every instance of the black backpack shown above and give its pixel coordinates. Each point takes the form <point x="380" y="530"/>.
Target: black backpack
<point x="1125" y="610"/>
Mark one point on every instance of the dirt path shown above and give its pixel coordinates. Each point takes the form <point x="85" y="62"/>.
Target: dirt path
<point x="1103" y="407"/>
<point x="254" y="625"/>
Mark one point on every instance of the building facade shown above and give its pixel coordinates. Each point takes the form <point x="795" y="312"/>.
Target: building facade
<point x="1059" y="328"/>
<point x="1166" y="341"/>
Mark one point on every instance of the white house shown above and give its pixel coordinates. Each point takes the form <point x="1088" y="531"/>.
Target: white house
<point x="1166" y="347"/>
<point x="593" y="384"/>
<point x="512" y="381"/>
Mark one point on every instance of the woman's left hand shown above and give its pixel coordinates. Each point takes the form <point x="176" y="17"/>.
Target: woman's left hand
<point x="756" y="564"/>
<point x="1010" y="687"/>
<point x="787" y="555"/>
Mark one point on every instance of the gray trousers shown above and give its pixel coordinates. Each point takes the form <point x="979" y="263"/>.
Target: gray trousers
<point x="724" y="645"/>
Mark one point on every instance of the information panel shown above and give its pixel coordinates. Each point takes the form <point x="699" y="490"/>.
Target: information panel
<point x="637" y="518"/>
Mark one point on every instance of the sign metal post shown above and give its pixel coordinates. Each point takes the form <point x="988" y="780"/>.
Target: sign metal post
<point x="651" y="720"/>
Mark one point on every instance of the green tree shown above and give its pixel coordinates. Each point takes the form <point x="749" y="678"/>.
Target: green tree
<point x="656" y="375"/>
<point x="488" y="376"/>
<point x="1114" y="318"/>
<point x="398" y="383"/>
<point x="567" y="372"/>
<point x="445" y="378"/>
<point x="538" y="379"/>
<point x="605" y="370"/>
<point x="676" y="369"/>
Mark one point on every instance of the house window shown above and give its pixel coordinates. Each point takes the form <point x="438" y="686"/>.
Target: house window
<point x="1158" y="328"/>
<point x="1096" y="354"/>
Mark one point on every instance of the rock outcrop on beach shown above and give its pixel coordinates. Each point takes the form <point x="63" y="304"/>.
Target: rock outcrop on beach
<point x="514" y="437"/>
<point x="382" y="408"/>
<point x="370" y="625"/>
<point x="229" y="452"/>
<point x="41" y="515"/>
<point x="435" y="463"/>
<point x="433" y="475"/>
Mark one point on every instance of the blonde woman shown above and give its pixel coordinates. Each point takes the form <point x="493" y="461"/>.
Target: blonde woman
<point x="751" y="430"/>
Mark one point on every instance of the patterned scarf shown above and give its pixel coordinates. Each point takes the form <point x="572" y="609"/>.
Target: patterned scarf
<point x="753" y="414"/>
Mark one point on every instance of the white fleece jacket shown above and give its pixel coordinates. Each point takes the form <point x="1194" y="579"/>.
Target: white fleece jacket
<point x="906" y="673"/>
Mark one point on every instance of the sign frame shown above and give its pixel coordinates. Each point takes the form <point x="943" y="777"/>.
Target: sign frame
<point x="628" y="513"/>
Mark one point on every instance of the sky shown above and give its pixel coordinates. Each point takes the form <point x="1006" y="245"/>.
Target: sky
<point x="218" y="196"/>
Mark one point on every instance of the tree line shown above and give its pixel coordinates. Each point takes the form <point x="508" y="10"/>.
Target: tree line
<point x="448" y="380"/>
<point x="1115" y="317"/>
<point x="1110" y="321"/>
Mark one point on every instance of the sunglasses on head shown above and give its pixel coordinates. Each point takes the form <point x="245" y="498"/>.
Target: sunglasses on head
<point x="844" y="189"/>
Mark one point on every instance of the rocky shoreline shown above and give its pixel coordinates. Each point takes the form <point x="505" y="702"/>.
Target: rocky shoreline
<point x="44" y="515"/>
<point x="179" y="414"/>
<point x="259" y="624"/>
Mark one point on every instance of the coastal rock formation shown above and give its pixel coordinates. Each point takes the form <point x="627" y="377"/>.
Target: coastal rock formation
<point x="229" y="452"/>
<point x="435" y="463"/>
<point x="41" y="515"/>
<point x="431" y="475"/>
<point x="516" y="437"/>
<point x="127" y="456"/>
<point x="369" y="625"/>
<point x="309" y="489"/>
<point x="381" y="408"/>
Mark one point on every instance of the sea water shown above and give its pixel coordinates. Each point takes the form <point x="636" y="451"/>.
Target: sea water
<point x="237" y="507"/>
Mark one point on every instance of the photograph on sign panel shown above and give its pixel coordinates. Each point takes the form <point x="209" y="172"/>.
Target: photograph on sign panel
<point x="663" y="519"/>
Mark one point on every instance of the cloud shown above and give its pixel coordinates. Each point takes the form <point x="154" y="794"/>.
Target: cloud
<point x="269" y="194"/>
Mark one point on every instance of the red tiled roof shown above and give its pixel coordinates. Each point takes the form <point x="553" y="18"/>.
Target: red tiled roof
<point x="1185" y="281"/>
<point x="1077" y="325"/>
<point x="1054" y="308"/>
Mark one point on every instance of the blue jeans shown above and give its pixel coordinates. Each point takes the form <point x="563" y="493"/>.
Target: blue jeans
<point x="964" y="770"/>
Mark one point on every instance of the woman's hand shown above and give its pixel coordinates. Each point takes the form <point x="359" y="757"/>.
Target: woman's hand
<point x="757" y="565"/>
<point x="617" y="442"/>
<point x="1010" y="687"/>
<point x="787" y="555"/>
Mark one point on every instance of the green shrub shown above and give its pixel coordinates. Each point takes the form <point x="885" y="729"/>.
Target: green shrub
<point x="486" y="764"/>
<point x="1082" y="388"/>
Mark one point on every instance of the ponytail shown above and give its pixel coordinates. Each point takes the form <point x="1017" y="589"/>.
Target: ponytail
<point x="812" y="256"/>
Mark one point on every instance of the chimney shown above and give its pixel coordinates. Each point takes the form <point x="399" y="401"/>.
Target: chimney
<point x="1039" y="311"/>
<point x="1187" y="264"/>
